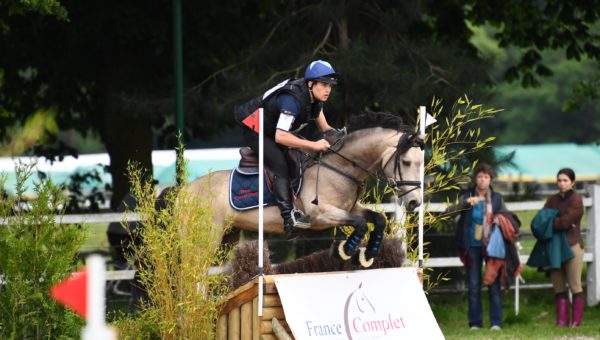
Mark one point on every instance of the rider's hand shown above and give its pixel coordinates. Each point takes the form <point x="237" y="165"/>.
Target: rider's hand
<point x="320" y="145"/>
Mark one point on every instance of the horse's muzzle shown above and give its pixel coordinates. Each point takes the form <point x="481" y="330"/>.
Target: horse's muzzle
<point x="412" y="205"/>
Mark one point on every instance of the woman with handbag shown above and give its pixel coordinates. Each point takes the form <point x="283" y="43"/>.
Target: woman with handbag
<point x="477" y="207"/>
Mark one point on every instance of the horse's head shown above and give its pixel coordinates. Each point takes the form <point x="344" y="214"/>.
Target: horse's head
<point x="401" y="166"/>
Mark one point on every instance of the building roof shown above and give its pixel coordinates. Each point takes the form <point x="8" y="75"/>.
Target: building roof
<point x="541" y="162"/>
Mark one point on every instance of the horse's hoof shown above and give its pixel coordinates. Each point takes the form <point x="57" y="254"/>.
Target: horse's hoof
<point x="341" y="253"/>
<point x="362" y="258"/>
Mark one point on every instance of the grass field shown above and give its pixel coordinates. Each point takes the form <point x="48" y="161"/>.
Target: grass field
<point x="535" y="319"/>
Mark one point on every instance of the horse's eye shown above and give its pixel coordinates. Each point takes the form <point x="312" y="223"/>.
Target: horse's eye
<point x="406" y="163"/>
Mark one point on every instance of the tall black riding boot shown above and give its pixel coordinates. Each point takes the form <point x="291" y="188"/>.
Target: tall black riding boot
<point x="292" y="218"/>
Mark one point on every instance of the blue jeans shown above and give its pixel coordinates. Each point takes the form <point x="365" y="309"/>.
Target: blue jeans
<point x="474" y="284"/>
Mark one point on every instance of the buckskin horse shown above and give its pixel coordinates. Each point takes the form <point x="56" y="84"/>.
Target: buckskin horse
<point x="377" y="145"/>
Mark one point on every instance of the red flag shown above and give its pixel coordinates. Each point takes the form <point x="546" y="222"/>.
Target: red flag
<point x="71" y="292"/>
<point x="253" y="120"/>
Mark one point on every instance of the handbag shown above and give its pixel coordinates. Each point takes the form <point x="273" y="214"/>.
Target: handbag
<point x="495" y="247"/>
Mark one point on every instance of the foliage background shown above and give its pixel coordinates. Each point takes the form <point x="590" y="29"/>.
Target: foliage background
<point x="105" y="65"/>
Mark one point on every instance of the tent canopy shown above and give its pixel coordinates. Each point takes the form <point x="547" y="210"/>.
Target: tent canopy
<point x="532" y="163"/>
<point x="541" y="162"/>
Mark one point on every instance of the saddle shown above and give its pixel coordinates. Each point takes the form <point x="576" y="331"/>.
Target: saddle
<point x="243" y="186"/>
<point x="243" y="193"/>
<point x="249" y="164"/>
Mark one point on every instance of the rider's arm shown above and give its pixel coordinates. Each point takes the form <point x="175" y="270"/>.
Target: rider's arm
<point x="288" y="110"/>
<point x="321" y="122"/>
<point x="288" y="139"/>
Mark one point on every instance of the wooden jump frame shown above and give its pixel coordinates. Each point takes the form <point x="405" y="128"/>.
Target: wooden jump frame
<point x="238" y="317"/>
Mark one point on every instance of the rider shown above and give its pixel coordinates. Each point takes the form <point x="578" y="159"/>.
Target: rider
<point x="288" y="107"/>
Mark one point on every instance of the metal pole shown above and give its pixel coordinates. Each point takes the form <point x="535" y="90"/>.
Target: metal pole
<point x="261" y="210"/>
<point x="178" y="70"/>
<point x="423" y="114"/>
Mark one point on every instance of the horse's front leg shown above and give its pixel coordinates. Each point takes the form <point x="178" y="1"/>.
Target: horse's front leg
<point x="328" y="215"/>
<point x="367" y="255"/>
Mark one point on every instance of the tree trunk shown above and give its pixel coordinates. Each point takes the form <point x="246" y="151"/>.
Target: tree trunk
<point x="342" y="25"/>
<point x="127" y="139"/>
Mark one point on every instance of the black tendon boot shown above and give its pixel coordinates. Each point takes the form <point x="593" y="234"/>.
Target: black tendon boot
<point x="292" y="218"/>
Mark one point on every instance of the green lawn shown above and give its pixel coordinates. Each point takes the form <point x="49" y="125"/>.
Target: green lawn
<point x="536" y="316"/>
<point x="96" y="238"/>
<point x="535" y="319"/>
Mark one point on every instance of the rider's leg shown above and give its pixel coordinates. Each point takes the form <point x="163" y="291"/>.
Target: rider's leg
<point x="276" y="161"/>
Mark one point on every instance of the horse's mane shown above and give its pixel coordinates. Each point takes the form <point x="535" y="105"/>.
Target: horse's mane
<point x="371" y="119"/>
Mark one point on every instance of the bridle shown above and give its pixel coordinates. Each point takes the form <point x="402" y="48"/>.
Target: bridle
<point x="405" y="142"/>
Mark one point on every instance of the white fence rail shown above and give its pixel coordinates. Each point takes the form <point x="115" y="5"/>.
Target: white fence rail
<point x="591" y="203"/>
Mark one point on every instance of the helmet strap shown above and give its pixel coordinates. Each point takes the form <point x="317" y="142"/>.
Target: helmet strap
<point x="312" y="83"/>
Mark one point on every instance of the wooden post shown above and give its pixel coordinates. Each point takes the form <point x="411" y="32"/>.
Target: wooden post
<point x="246" y="321"/>
<point x="593" y="245"/>
<point x="222" y="327"/>
<point x="255" y="319"/>
<point x="233" y="331"/>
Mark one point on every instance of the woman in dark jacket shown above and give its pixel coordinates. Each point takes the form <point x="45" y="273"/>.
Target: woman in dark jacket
<point x="570" y="210"/>
<point x="477" y="207"/>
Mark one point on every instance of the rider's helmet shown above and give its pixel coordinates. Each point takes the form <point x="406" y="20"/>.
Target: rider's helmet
<point x="320" y="70"/>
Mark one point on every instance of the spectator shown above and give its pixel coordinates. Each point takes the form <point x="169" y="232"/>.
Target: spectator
<point x="477" y="206"/>
<point x="570" y="210"/>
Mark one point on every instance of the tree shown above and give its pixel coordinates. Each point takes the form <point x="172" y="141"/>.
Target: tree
<point x="535" y="26"/>
<point x="108" y="67"/>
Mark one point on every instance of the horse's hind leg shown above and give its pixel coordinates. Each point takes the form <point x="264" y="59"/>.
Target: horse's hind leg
<point x="367" y="255"/>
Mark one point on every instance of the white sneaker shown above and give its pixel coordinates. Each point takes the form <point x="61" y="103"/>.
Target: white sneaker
<point x="475" y="328"/>
<point x="495" y="328"/>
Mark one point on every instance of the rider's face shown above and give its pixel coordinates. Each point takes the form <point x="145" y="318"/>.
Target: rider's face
<point x="320" y="91"/>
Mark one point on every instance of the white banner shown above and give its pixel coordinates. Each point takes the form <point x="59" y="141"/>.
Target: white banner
<point x="367" y="304"/>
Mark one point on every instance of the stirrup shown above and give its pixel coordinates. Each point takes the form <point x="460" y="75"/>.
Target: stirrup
<point x="300" y="220"/>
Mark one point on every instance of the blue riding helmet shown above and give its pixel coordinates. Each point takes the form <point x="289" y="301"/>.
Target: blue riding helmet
<point x="320" y="70"/>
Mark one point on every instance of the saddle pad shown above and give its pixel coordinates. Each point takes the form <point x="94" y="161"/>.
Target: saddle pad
<point x="243" y="190"/>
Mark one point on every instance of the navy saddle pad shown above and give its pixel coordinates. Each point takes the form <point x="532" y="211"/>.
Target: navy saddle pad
<point x="243" y="189"/>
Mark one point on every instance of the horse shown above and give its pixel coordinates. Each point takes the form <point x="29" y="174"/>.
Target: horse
<point x="377" y="145"/>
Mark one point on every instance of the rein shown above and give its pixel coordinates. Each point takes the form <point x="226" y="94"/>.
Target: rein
<point x="404" y="143"/>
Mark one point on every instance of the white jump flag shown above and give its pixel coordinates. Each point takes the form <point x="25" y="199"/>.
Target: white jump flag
<point x="84" y="293"/>
<point x="95" y="328"/>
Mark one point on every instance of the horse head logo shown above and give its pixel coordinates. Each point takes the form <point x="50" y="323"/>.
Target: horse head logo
<point x="357" y="303"/>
